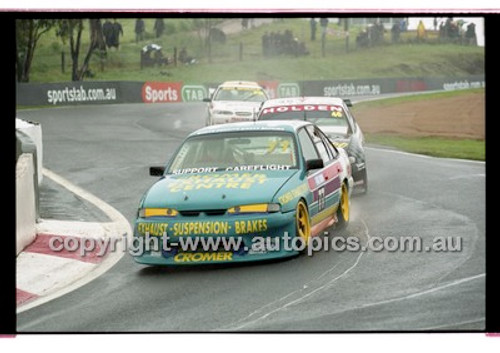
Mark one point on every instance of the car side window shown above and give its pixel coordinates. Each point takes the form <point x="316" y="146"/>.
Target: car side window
<point x="318" y="142"/>
<point x="351" y="120"/>
<point x="308" y="150"/>
<point x="332" y="150"/>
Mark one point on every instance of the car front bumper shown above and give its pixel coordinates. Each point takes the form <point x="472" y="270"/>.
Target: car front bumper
<point x="259" y="236"/>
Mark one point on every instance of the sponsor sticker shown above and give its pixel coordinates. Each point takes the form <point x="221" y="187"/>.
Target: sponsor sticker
<point x="336" y="110"/>
<point x="201" y="257"/>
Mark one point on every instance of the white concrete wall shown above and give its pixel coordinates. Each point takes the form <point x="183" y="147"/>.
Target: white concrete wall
<point x="25" y="202"/>
<point x="34" y="131"/>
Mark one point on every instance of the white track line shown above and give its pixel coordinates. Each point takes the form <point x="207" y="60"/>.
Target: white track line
<point x="117" y="228"/>
<point x="329" y="283"/>
<point x="324" y="286"/>
<point x="450" y="325"/>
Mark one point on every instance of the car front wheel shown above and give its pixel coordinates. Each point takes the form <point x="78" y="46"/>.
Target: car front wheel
<point x="343" y="211"/>
<point x="303" y="223"/>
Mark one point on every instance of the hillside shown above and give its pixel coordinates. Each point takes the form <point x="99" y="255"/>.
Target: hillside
<point x="407" y="59"/>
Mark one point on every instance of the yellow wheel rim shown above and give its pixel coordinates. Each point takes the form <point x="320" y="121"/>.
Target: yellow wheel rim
<point x="303" y="226"/>
<point x="344" y="203"/>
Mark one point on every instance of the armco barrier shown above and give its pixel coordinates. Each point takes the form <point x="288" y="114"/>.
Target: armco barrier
<point x="25" y="202"/>
<point x="73" y="93"/>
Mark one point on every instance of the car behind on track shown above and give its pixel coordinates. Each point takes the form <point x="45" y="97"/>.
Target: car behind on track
<point x="235" y="101"/>
<point x="334" y="118"/>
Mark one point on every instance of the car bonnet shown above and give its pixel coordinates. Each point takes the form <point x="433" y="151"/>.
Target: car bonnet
<point x="219" y="190"/>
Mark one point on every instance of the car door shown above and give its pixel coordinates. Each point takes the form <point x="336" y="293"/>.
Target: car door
<point x="324" y="183"/>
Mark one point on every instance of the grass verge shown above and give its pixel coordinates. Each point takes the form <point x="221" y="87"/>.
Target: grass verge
<point x="416" y="97"/>
<point x="433" y="146"/>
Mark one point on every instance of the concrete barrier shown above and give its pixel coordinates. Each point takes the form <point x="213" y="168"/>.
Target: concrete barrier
<point x="25" y="202"/>
<point x="34" y="131"/>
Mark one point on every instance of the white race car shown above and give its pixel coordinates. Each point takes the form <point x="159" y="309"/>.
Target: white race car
<point x="235" y="101"/>
<point x="335" y="119"/>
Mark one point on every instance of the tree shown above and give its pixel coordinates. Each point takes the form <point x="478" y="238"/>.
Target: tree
<point x="72" y="29"/>
<point x="28" y="33"/>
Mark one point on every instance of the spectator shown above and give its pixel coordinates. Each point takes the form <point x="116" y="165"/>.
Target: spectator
<point x="395" y="31"/>
<point x="378" y="31"/>
<point x="244" y="23"/>
<point x="362" y="39"/>
<point x="421" y="32"/>
<point x="441" y="32"/>
<point x="159" y="27"/>
<point x="266" y="44"/>
<point x="107" y="32"/>
<point x="323" y="23"/>
<point x="403" y="25"/>
<point x="116" y="30"/>
<point x="139" y="30"/>
<point x="152" y="55"/>
<point x="470" y="34"/>
<point x="313" y="28"/>
<point x="184" y="58"/>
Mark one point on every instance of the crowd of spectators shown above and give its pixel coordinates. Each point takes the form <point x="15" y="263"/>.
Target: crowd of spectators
<point x="278" y="43"/>
<point x="456" y="32"/>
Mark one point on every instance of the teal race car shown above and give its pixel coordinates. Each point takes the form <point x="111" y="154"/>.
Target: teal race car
<point x="243" y="192"/>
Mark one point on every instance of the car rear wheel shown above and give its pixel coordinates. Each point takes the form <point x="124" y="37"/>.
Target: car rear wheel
<point x="343" y="211"/>
<point x="303" y="222"/>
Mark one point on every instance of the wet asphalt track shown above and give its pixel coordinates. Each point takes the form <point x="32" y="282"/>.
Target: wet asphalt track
<point x="107" y="150"/>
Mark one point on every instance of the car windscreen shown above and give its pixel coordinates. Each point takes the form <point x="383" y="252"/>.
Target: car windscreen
<point x="236" y="151"/>
<point x="248" y="94"/>
<point x="333" y="115"/>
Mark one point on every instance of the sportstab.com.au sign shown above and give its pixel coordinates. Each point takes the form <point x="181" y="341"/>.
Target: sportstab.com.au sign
<point x="80" y="95"/>
<point x="162" y="92"/>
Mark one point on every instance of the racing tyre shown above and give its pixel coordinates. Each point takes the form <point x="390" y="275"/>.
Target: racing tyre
<point x="303" y="223"/>
<point x="343" y="210"/>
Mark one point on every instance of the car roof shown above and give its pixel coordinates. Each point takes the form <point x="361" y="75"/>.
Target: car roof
<point x="262" y="125"/>
<point x="240" y="84"/>
<point x="279" y="102"/>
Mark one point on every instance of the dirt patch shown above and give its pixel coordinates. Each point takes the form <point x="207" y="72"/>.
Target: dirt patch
<point x="462" y="116"/>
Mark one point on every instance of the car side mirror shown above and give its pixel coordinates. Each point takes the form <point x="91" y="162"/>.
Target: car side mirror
<point x="352" y="160"/>
<point x="208" y="100"/>
<point x="314" y="164"/>
<point x="348" y="102"/>
<point x="156" y="171"/>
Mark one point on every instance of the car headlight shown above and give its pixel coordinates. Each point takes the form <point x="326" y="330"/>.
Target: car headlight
<point x="244" y="113"/>
<point x="222" y="112"/>
<point x="157" y="212"/>
<point x="255" y="208"/>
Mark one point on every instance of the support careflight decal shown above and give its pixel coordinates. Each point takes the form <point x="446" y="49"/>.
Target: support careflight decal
<point x="161" y="92"/>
